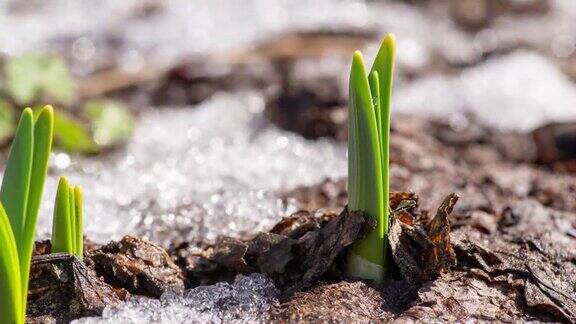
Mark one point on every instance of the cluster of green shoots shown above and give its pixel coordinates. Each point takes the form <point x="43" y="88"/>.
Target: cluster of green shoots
<point x="67" y="230"/>
<point x="20" y="197"/>
<point x="368" y="157"/>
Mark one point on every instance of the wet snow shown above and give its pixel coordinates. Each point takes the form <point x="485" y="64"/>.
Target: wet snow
<point x="519" y="92"/>
<point x="195" y="173"/>
<point x="246" y="300"/>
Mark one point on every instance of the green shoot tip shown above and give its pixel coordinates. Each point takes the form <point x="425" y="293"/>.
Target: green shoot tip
<point x="390" y="40"/>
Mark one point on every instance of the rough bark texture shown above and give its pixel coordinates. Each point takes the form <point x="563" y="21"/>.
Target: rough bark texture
<point x="523" y="272"/>
<point x="344" y="302"/>
<point x="62" y="288"/>
<point x="138" y="266"/>
<point x="298" y="251"/>
<point x="421" y="249"/>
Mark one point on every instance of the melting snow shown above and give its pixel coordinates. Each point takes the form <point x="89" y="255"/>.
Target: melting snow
<point x="519" y="91"/>
<point x="247" y="300"/>
<point x="195" y="173"/>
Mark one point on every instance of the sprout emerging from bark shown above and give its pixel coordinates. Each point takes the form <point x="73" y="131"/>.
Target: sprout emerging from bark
<point x="368" y="157"/>
<point x="67" y="227"/>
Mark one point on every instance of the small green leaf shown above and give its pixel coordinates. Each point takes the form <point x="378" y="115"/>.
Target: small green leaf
<point x="70" y="135"/>
<point x="34" y="76"/>
<point x="112" y="122"/>
<point x="7" y="121"/>
<point x="11" y="310"/>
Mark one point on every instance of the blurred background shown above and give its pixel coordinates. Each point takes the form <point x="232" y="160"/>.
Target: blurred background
<point x="185" y="119"/>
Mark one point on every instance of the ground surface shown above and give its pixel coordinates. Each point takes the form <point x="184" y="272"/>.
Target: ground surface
<point x="512" y="231"/>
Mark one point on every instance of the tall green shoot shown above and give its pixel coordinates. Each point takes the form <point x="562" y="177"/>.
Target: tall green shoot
<point x="20" y="196"/>
<point x="368" y="157"/>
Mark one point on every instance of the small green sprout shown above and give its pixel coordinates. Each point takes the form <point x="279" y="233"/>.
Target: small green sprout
<point x="67" y="233"/>
<point x="368" y="157"/>
<point x="35" y="76"/>
<point x="20" y="197"/>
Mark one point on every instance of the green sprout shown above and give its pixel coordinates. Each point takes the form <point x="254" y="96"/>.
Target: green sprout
<point x="20" y="197"/>
<point x="67" y="234"/>
<point x="368" y="157"/>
